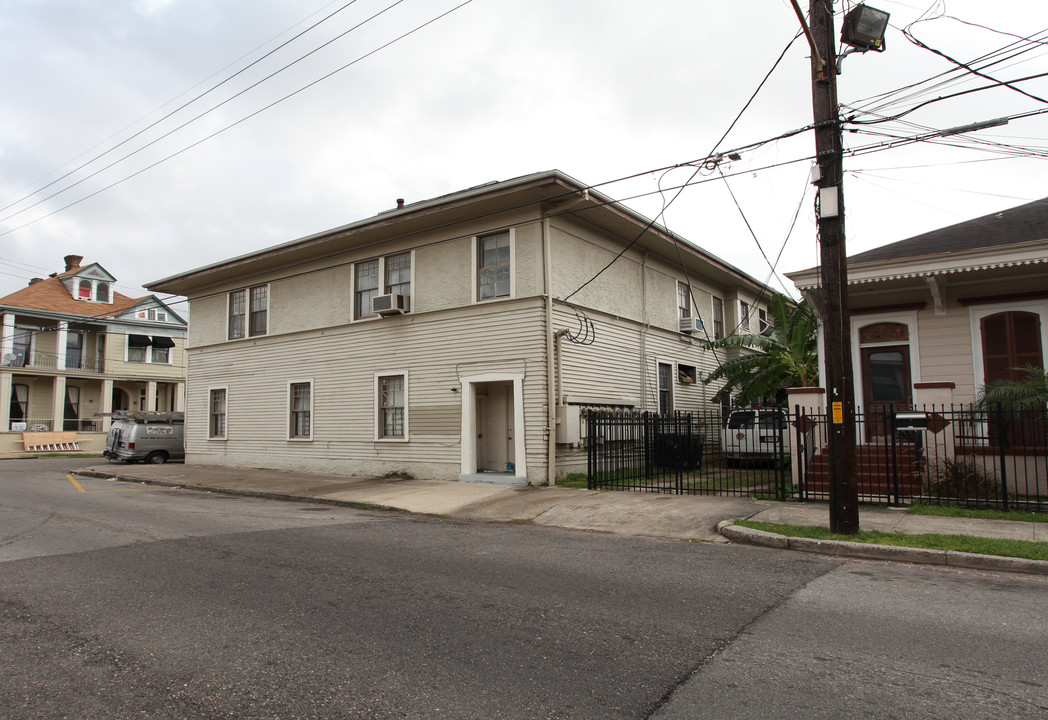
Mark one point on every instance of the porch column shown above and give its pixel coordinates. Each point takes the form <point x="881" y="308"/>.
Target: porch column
<point x="7" y="338"/>
<point x="150" y="396"/>
<point x="811" y="401"/>
<point x="107" y="405"/>
<point x="61" y="341"/>
<point x="180" y="397"/>
<point x="58" y="402"/>
<point x="5" y="401"/>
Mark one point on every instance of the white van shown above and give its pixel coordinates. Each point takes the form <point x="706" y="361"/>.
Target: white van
<point x="154" y="437"/>
<point x="754" y="434"/>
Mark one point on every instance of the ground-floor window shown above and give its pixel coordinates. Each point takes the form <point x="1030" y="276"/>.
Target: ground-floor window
<point x="19" y="402"/>
<point x="72" y="408"/>
<point x="216" y="427"/>
<point x="300" y="403"/>
<point x="392" y="406"/>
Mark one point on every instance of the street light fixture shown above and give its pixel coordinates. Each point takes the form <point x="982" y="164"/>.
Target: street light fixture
<point x="863" y="28"/>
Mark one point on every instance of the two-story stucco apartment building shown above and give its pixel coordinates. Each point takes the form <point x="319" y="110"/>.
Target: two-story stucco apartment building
<point x="437" y="338"/>
<point x="73" y="349"/>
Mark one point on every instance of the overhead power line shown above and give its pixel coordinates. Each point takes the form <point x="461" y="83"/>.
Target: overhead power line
<point x="177" y="110"/>
<point x="360" y="58"/>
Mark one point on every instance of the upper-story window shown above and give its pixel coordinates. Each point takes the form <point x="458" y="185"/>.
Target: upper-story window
<point x="718" y="318"/>
<point x="161" y="351"/>
<point x="84" y="290"/>
<point x="762" y="318"/>
<point x="152" y="314"/>
<point x="683" y="300"/>
<point x="383" y="276"/>
<point x="145" y="349"/>
<point x="494" y="266"/>
<point x="744" y="316"/>
<point x="366" y="287"/>
<point x="102" y="292"/>
<point x="249" y="312"/>
<point x="22" y="345"/>
<point x="398" y="274"/>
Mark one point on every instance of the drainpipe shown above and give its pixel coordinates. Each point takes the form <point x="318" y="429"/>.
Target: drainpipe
<point x="552" y="365"/>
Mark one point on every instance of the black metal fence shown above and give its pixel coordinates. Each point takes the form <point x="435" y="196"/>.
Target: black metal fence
<point x="681" y="453"/>
<point x="958" y="455"/>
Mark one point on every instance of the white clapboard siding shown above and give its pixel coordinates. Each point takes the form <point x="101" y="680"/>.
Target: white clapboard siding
<point x="622" y="363"/>
<point x="432" y="349"/>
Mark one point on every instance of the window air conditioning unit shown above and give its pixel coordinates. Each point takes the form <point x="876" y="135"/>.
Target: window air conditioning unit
<point x="690" y="325"/>
<point x="389" y="304"/>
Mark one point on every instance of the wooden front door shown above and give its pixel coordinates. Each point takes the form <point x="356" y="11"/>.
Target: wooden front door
<point x="886" y="385"/>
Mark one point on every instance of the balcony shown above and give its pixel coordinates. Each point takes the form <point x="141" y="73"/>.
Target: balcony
<point x="49" y="361"/>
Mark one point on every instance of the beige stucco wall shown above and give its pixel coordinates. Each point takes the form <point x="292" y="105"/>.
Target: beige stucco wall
<point x="319" y="298"/>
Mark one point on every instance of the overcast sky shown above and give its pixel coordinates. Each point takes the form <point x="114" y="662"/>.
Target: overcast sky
<point x="495" y="89"/>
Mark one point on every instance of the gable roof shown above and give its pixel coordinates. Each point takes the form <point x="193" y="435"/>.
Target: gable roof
<point x="1024" y="223"/>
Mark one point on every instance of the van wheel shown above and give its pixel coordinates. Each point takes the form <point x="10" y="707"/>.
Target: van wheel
<point x="156" y="458"/>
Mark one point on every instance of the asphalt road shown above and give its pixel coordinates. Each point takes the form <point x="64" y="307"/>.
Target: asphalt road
<point x="126" y="601"/>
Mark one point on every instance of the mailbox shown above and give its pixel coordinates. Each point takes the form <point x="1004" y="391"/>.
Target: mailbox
<point x="910" y="420"/>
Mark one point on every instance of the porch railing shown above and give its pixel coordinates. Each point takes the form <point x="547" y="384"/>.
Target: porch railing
<point x="50" y="361"/>
<point x="49" y="425"/>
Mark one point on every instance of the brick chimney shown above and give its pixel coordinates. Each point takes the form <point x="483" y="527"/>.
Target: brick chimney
<point x="72" y="262"/>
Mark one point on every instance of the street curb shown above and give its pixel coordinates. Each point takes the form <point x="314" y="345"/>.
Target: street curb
<point x="265" y="494"/>
<point x="893" y="553"/>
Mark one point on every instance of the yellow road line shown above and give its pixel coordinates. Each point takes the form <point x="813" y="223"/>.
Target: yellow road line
<point x="80" y="488"/>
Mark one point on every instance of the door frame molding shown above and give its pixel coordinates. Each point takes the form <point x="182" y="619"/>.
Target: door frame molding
<point x="907" y="318"/>
<point x="469" y="419"/>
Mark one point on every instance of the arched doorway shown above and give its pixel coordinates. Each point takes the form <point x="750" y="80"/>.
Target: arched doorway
<point x="884" y="350"/>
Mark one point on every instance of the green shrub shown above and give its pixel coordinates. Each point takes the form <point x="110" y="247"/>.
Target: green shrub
<point x="962" y="478"/>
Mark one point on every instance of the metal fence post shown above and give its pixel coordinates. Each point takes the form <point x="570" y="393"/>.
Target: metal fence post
<point x="1003" y="432"/>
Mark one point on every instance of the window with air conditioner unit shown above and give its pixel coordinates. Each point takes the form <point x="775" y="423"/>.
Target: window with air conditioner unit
<point x="382" y="286"/>
<point x="690" y="325"/>
<point x="393" y="304"/>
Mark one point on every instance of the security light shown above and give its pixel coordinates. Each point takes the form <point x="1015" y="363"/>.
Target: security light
<point x="863" y="28"/>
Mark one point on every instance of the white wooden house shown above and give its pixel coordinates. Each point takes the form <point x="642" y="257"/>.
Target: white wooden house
<point x="457" y="338"/>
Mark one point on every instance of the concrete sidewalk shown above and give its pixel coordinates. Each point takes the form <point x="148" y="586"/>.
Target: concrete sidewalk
<point x="688" y="517"/>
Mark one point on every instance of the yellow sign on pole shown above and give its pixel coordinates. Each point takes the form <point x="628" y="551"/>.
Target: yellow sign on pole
<point x="838" y="413"/>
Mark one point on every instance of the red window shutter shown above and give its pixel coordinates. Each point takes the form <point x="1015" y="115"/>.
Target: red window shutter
<point x="995" y="347"/>
<point x="1026" y="339"/>
<point x="1011" y="341"/>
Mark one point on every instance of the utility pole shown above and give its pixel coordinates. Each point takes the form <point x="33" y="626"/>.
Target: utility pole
<point x="836" y="322"/>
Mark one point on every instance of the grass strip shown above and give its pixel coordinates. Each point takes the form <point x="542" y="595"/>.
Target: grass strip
<point x="961" y="543"/>
<point x="946" y="511"/>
